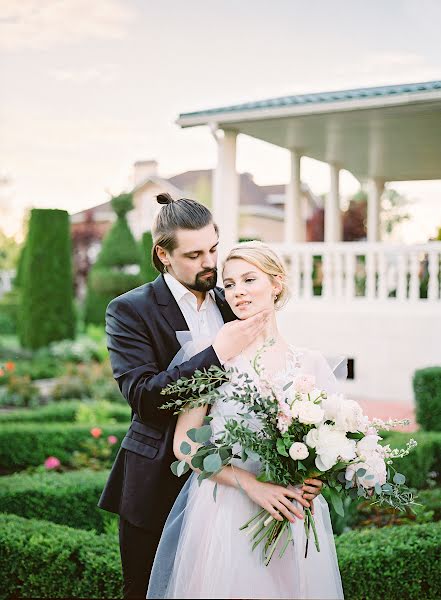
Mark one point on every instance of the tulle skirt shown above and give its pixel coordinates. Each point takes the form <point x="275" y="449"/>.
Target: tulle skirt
<point x="202" y="553"/>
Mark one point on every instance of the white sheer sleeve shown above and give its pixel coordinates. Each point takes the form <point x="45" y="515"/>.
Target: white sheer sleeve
<point x="326" y="371"/>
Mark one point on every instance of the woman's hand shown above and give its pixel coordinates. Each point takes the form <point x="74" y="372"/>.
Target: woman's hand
<point x="276" y="499"/>
<point x="310" y="489"/>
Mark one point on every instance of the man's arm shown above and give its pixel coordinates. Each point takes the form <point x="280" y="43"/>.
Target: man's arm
<point x="134" y="362"/>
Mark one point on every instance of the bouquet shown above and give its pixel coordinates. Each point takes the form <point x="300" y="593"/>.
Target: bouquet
<point x="303" y="432"/>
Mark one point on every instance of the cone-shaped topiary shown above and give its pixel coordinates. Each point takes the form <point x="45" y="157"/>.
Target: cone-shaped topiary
<point x="148" y="270"/>
<point x="46" y="283"/>
<point x="117" y="268"/>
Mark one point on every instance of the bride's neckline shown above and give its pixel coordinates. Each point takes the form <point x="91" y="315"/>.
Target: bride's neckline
<point x="292" y="358"/>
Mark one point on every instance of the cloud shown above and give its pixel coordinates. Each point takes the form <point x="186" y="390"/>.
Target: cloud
<point x="41" y="24"/>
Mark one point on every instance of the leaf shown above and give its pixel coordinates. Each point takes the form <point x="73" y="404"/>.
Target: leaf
<point x="174" y="467"/>
<point x="399" y="479"/>
<point x="182" y="467"/>
<point x="361" y="472"/>
<point x="336" y="502"/>
<point x="341" y="477"/>
<point x="185" y="448"/>
<point x="301" y="466"/>
<point x="215" y="492"/>
<point x="252" y="455"/>
<point x="287" y="385"/>
<point x="203" y="434"/>
<point x="191" y="434"/>
<point x="378" y="488"/>
<point x="197" y="461"/>
<point x="212" y="463"/>
<point x="281" y="447"/>
<point x="224" y="453"/>
<point x="202" y="476"/>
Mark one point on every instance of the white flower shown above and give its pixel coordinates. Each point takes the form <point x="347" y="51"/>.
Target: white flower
<point x="350" y="417"/>
<point x="331" y="405"/>
<point x="298" y="451"/>
<point x="303" y="384"/>
<point x="331" y="445"/>
<point x="306" y="412"/>
<point x="375" y="468"/>
<point x="368" y="445"/>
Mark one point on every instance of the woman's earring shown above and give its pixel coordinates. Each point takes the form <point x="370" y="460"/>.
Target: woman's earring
<point x="165" y="269"/>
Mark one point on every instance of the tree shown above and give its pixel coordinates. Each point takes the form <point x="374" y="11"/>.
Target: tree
<point x="117" y="268"/>
<point x="46" y="287"/>
<point x="149" y="273"/>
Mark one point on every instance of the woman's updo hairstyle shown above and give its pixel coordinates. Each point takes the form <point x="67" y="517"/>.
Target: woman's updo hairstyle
<point x="263" y="257"/>
<point x="173" y="215"/>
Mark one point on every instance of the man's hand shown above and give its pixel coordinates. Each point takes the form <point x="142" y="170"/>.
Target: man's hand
<point x="233" y="337"/>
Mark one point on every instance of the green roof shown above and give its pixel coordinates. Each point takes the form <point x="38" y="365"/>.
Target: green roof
<point x="322" y="97"/>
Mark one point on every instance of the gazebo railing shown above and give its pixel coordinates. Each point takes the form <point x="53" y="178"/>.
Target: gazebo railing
<point x="354" y="271"/>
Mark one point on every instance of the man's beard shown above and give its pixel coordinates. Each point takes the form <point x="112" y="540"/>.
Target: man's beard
<point x="204" y="284"/>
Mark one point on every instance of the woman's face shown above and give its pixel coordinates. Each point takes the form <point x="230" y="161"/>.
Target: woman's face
<point x="248" y="290"/>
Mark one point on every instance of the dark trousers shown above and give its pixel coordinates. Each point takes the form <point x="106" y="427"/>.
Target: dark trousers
<point x="138" y="547"/>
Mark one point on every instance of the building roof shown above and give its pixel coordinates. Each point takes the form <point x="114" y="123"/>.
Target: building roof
<point x="319" y="98"/>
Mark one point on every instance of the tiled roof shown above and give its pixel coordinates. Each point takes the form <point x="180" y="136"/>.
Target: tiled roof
<point x="322" y="97"/>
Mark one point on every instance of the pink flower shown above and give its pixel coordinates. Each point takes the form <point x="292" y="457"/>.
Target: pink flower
<point x="304" y="384"/>
<point x="96" y="432"/>
<point x="112" y="439"/>
<point x="52" y="462"/>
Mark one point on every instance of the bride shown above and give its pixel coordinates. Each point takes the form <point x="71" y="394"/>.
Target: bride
<point x="202" y="553"/>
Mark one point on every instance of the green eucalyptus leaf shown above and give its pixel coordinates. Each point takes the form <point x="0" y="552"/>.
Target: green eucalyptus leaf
<point x="281" y="449"/>
<point x="191" y="434"/>
<point x="399" y="479"/>
<point x="203" y="434"/>
<point x="174" y="467"/>
<point x="212" y="463"/>
<point x="185" y="448"/>
<point x="182" y="467"/>
<point x="337" y="502"/>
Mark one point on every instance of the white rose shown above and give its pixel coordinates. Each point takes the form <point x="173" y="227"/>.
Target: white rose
<point x="331" y="445"/>
<point x="307" y="412"/>
<point x="311" y="438"/>
<point x="375" y="468"/>
<point x="368" y="445"/>
<point x="298" y="451"/>
<point x="350" y="416"/>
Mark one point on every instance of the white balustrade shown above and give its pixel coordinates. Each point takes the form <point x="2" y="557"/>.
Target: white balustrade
<point x="364" y="271"/>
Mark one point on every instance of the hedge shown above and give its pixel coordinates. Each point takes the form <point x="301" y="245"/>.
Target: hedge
<point x="64" y="498"/>
<point x="422" y="461"/>
<point x="64" y="411"/>
<point x="46" y="309"/>
<point x="29" y="444"/>
<point x="41" y="560"/>
<point x="395" y="563"/>
<point x="427" y="390"/>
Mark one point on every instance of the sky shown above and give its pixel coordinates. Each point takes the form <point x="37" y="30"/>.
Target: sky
<point x="88" y="88"/>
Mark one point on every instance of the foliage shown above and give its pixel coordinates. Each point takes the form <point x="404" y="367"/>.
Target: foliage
<point x="427" y="390"/>
<point x="70" y="411"/>
<point x="39" y="559"/>
<point x="64" y="498"/>
<point x="19" y="391"/>
<point x="9" y="304"/>
<point x="395" y="563"/>
<point x="117" y="268"/>
<point x="92" y="380"/>
<point x="29" y="444"/>
<point x="422" y="468"/>
<point x="149" y="273"/>
<point x="9" y="251"/>
<point x="46" y="309"/>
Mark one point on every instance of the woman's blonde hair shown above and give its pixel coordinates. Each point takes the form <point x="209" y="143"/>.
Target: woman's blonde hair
<point x="267" y="260"/>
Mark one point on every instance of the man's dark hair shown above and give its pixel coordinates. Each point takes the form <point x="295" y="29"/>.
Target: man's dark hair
<point x="173" y="215"/>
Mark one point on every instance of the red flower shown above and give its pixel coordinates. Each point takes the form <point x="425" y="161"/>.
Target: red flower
<point x="10" y="366"/>
<point x="96" y="432"/>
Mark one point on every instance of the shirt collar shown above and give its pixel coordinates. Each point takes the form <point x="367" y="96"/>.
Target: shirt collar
<point x="178" y="290"/>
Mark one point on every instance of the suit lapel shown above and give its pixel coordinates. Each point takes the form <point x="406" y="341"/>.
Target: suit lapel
<point x="223" y="306"/>
<point x="168" y="305"/>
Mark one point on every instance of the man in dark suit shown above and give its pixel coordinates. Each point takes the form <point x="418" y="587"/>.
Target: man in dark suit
<point x="141" y="328"/>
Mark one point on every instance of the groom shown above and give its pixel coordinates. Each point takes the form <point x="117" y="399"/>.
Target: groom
<point x="141" y="328"/>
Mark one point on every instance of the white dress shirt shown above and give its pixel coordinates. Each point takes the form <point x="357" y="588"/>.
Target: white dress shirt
<point x="202" y="323"/>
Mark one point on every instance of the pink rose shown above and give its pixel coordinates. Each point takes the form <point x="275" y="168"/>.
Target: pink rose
<point x="112" y="439"/>
<point x="304" y="384"/>
<point x="96" y="432"/>
<point x="52" y="462"/>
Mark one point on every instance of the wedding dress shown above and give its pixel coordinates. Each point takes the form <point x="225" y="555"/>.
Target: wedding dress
<point x="202" y="553"/>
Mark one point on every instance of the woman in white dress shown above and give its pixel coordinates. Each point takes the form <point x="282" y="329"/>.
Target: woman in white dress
<point x="202" y="553"/>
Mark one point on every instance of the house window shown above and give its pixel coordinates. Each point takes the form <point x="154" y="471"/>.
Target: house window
<point x="351" y="368"/>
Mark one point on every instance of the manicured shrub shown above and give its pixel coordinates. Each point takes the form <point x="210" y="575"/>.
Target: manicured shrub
<point x="29" y="444"/>
<point x="395" y="563"/>
<point x="423" y="464"/>
<point x="39" y="559"/>
<point x="427" y="390"/>
<point x="63" y="498"/>
<point x="148" y="270"/>
<point x="69" y="412"/>
<point x="117" y="268"/>
<point x="46" y="286"/>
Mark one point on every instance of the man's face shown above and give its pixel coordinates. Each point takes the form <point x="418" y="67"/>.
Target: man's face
<point x="194" y="260"/>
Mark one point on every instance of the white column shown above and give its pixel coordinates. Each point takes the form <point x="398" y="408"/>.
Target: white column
<point x="226" y="191"/>
<point x="332" y="207"/>
<point x="375" y="190"/>
<point x="294" y="225"/>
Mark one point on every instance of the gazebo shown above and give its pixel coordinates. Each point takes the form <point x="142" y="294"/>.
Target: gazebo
<point x="379" y="292"/>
